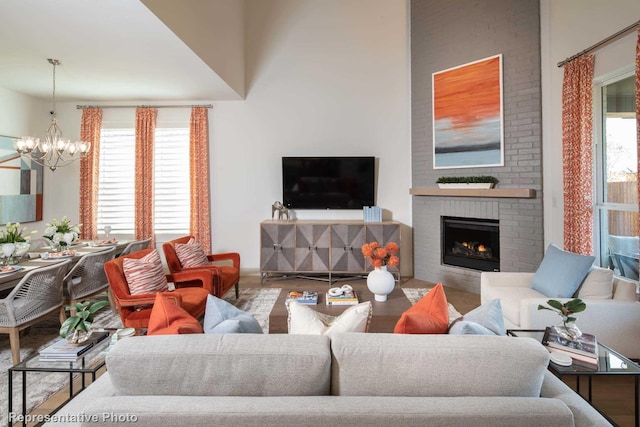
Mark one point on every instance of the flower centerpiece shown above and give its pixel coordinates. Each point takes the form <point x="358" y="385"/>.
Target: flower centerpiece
<point x="14" y="242"/>
<point x="61" y="234"/>
<point x="379" y="281"/>
<point x="568" y="329"/>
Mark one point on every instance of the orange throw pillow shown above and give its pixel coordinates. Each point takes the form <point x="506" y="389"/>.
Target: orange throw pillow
<point x="167" y="318"/>
<point x="430" y="315"/>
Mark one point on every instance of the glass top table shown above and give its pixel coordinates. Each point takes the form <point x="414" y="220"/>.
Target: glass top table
<point x="88" y="363"/>
<point x="610" y="362"/>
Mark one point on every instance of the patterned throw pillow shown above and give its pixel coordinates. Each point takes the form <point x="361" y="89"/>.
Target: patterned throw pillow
<point x="191" y="254"/>
<point x="145" y="275"/>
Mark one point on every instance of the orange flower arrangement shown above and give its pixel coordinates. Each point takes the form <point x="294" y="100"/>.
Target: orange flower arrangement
<point x="381" y="255"/>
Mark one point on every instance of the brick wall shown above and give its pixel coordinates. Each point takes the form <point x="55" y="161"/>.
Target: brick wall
<point x="446" y="34"/>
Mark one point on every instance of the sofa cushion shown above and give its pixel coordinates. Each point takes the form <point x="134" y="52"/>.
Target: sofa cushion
<point x="191" y="254"/>
<point x="220" y="317"/>
<point x="486" y="318"/>
<point x="430" y="315"/>
<point x="597" y="285"/>
<point x="168" y="318"/>
<point x="453" y="365"/>
<point x="305" y="320"/>
<point x="560" y="272"/>
<point x="510" y="299"/>
<point x="221" y="365"/>
<point x="145" y="275"/>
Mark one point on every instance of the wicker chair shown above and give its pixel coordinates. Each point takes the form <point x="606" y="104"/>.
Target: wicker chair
<point x="135" y="246"/>
<point x="36" y="296"/>
<point x="87" y="278"/>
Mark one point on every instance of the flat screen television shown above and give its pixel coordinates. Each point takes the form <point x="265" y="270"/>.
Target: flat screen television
<point x="328" y="182"/>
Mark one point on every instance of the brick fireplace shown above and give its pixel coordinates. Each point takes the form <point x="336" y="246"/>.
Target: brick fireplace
<point x="486" y="29"/>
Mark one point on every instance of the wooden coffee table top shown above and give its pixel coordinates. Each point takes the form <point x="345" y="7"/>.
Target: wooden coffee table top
<point x="385" y="314"/>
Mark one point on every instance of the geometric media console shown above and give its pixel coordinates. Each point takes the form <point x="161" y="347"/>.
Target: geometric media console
<point x="304" y="248"/>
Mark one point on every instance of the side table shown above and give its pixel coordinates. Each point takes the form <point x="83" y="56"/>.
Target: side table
<point x="87" y="364"/>
<point x="610" y="362"/>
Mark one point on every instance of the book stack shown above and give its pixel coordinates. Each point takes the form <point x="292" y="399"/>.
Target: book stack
<point x="583" y="349"/>
<point x="304" y="297"/>
<point x="64" y="351"/>
<point x="372" y="213"/>
<point x="347" y="298"/>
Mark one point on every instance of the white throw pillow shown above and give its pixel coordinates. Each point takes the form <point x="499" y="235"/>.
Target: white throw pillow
<point x="304" y="320"/>
<point x="597" y="285"/>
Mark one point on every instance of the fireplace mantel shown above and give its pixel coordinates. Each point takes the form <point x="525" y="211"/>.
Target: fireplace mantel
<point x="520" y="193"/>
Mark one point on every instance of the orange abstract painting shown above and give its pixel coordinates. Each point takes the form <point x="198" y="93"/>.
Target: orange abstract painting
<point x="467" y="115"/>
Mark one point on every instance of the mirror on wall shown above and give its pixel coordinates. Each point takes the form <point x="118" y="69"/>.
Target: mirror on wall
<point x="20" y="185"/>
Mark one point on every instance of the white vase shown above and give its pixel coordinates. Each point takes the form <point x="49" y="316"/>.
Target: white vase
<point x="7" y="252"/>
<point x="68" y="238"/>
<point x="381" y="283"/>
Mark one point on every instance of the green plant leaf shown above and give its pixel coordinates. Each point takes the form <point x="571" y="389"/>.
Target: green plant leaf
<point x="555" y="304"/>
<point x="98" y="306"/>
<point x="69" y="325"/>
<point x="575" y="305"/>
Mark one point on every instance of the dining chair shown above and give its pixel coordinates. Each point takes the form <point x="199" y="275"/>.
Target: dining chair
<point x="87" y="278"/>
<point x="191" y="291"/>
<point x="226" y="276"/>
<point x="135" y="246"/>
<point x="37" y="295"/>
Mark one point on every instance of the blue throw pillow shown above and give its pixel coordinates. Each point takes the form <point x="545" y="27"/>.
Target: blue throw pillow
<point x="484" y="320"/>
<point x="220" y="317"/>
<point x="561" y="273"/>
<point x="463" y="327"/>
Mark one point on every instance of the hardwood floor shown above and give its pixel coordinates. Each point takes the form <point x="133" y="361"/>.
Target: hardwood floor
<point x="612" y="395"/>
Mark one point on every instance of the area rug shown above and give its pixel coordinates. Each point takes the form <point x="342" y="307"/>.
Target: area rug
<point x="415" y="294"/>
<point x="258" y="302"/>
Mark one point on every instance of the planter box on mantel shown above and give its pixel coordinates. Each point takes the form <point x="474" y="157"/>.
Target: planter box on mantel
<point x="466" y="185"/>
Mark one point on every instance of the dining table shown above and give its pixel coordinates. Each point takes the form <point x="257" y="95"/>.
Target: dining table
<point x="34" y="260"/>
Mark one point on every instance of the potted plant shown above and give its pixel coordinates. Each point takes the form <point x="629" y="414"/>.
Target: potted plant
<point x="568" y="329"/>
<point x="380" y="281"/>
<point x="77" y="328"/>
<point x="13" y="242"/>
<point x="482" y="181"/>
<point x="61" y="234"/>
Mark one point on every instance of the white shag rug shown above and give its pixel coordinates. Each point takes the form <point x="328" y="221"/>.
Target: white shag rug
<point x="41" y="386"/>
<point x="415" y="294"/>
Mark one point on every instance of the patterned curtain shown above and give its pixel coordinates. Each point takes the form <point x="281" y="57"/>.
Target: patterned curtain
<point x="200" y="224"/>
<point x="89" y="167"/>
<point x="145" y="127"/>
<point x="577" y="154"/>
<point x="638" y="115"/>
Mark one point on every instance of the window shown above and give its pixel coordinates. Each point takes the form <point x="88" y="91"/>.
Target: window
<point x="116" y="186"/>
<point x="616" y="172"/>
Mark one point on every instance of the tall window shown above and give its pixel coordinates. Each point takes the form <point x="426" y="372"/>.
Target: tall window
<point x="171" y="181"/>
<point x="617" y="173"/>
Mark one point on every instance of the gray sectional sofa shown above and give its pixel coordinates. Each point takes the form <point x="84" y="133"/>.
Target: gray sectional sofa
<point x="350" y="379"/>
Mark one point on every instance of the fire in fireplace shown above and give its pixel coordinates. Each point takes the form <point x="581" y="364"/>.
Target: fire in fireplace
<point x="471" y="243"/>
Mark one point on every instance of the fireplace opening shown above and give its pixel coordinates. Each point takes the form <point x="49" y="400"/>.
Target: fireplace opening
<point x="471" y="243"/>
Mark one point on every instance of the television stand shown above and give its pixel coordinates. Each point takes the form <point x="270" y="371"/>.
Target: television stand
<point x="322" y="249"/>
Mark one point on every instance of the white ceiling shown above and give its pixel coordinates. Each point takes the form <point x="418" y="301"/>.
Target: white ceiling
<point x="110" y="50"/>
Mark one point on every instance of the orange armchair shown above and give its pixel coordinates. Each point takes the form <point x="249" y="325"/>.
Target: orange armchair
<point x="225" y="276"/>
<point x="135" y="310"/>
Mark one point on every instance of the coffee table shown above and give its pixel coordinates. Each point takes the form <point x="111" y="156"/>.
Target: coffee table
<point x="610" y="362"/>
<point x="385" y="314"/>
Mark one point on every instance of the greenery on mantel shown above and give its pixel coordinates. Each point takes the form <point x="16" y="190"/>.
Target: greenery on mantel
<point x="466" y="179"/>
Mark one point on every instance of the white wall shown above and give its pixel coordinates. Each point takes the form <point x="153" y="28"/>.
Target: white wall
<point x="568" y="27"/>
<point x="326" y="77"/>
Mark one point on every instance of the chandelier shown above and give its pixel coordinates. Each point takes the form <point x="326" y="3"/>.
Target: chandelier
<point x="53" y="151"/>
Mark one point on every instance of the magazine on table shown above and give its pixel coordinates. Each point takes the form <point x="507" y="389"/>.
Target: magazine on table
<point x="63" y="350"/>
<point x="304" y="297"/>
<point x="584" y="348"/>
<point x="346" y="298"/>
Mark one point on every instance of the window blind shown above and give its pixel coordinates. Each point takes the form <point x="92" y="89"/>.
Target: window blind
<point x="116" y="184"/>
